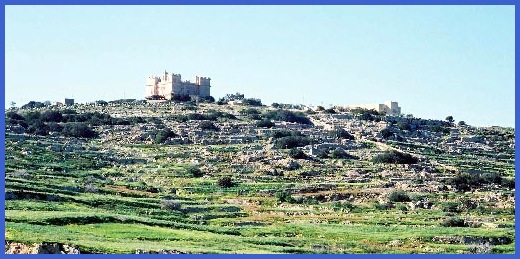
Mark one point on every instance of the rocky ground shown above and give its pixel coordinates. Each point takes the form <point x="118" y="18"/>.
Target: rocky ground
<point x="158" y="167"/>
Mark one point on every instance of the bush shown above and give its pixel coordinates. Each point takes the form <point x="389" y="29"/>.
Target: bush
<point x="226" y="182"/>
<point x="250" y="111"/>
<point x="265" y="124"/>
<point x="194" y="171"/>
<point x="208" y="125"/>
<point x="330" y="111"/>
<point x="14" y="116"/>
<point x="451" y="207"/>
<point x="472" y="179"/>
<point x="297" y="154"/>
<point x="80" y="130"/>
<point x="291" y="142"/>
<point x="402" y="125"/>
<point x="454" y="222"/>
<point x="399" y="196"/>
<point x="322" y="153"/>
<point x="283" y="133"/>
<point x="160" y="136"/>
<point x="33" y="104"/>
<point x="341" y="133"/>
<point x="394" y="157"/>
<point x="386" y="133"/>
<point x="54" y="127"/>
<point x="383" y="206"/>
<point x="38" y="127"/>
<point x="339" y="153"/>
<point x="288" y="116"/>
<point x="54" y="116"/>
<point x="171" y="204"/>
<point x="284" y="197"/>
<point x="252" y="102"/>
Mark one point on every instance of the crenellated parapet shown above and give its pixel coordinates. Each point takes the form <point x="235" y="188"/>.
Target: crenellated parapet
<point x="168" y="85"/>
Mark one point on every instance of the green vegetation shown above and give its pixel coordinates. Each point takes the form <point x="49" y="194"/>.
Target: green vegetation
<point x="288" y="116"/>
<point x="134" y="186"/>
<point x="399" y="196"/>
<point x="394" y="157"/>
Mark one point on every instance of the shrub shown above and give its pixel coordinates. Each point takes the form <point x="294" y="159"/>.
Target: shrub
<point x="399" y="196"/>
<point x="291" y="142"/>
<point x="171" y="204"/>
<point x="288" y="116"/>
<point x="226" y="182"/>
<point x="284" y="197"/>
<point x="472" y="179"/>
<point x="394" y="157"/>
<point x="265" y="124"/>
<point x="33" y="104"/>
<point x="283" y="133"/>
<point x="14" y="116"/>
<point x="451" y="207"/>
<point x="386" y="133"/>
<point x="162" y="135"/>
<point x="339" y="153"/>
<point x="297" y="154"/>
<point x="54" y="127"/>
<point x="195" y="171"/>
<point x="341" y="133"/>
<point x="252" y="102"/>
<point x="38" y="127"/>
<point x="402" y="125"/>
<point x="54" y="116"/>
<point x="454" y="222"/>
<point x="80" y="130"/>
<point x="330" y="111"/>
<point x="208" y="125"/>
<point x="322" y="153"/>
<point x="383" y="206"/>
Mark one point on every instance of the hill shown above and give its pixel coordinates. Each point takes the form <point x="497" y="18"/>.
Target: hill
<point x="135" y="177"/>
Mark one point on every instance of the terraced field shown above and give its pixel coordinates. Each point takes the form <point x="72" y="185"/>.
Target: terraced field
<point x="105" y="195"/>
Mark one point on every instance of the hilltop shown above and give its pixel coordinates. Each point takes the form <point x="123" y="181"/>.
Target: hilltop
<point x="133" y="176"/>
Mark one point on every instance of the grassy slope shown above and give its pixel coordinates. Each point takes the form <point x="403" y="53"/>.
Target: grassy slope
<point x="123" y="212"/>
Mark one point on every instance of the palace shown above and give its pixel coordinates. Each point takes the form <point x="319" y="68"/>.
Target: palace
<point x="168" y="86"/>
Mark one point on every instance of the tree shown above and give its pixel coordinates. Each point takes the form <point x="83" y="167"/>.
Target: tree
<point x="450" y="119"/>
<point x="462" y="123"/>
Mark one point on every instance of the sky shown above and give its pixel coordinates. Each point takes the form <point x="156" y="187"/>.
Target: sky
<point x="435" y="61"/>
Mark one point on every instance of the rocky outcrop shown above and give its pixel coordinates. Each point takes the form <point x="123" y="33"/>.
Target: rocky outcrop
<point x="42" y="248"/>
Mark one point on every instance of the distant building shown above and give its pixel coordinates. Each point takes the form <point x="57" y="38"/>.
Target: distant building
<point x="67" y="101"/>
<point x="169" y="85"/>
<point x="388" y="108"/>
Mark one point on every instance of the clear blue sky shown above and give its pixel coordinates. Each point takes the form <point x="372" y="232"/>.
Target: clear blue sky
<point x="434" y="60"/>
